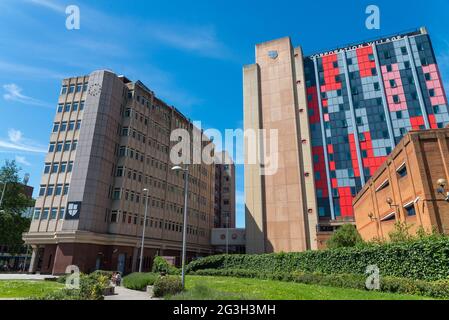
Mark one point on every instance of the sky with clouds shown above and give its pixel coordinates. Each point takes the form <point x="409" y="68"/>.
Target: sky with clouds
<point x="190" y="53"/>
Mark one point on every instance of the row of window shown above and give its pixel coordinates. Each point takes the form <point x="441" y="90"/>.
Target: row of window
<point x="51" y="189"/>
<point x="49" y="213"/>
<point x="79" y="87"/>
<point x="66" y="126"/>
<point x="143" y="119"/>
<point x="63" y="146"/>
<point x="67" y="107"/>
<point x="58" y="167"/>
<point x="126" y="131"/>
<point x="132" y="218"/>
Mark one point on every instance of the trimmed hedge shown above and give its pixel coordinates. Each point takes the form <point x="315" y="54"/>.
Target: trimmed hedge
<point x="139" y="281"/>
<point x="435" y="289"/>
<point x="426" y="259"/>
<point x="167" y="285"/>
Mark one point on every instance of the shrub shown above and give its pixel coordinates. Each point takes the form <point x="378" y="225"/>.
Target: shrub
<point x="167" y="285"/>
<point x="426" y="259"/>
<point x="91" y="288"/>
<point x="346" y="236"/>
<point x="203" y="292"/>
<point x="139" y="281"/>
<point x="160" y="265"/>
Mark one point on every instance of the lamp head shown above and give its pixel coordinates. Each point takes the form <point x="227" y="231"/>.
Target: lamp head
<point x="389" y="201"/>
<point x="145" y="190"/>
<point x="177" y="168"/>
<point x="442" y="182"/>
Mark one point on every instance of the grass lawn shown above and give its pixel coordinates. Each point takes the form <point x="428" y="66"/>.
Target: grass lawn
<point x="27" y="288"/>
<point x="211" y="288"/>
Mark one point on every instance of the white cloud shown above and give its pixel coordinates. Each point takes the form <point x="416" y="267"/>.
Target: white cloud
<point x="14" y="135"/>
<point x="16" y="142"/>
<point x="22" y="160"/>
<point x="49" y="5"/>
<point x="201" y="40"/>
<point x="14" y="93"/>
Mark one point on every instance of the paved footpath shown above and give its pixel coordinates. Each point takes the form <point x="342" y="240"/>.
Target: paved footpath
<point x="24" y="276"/>
<point x="122" y="293"/>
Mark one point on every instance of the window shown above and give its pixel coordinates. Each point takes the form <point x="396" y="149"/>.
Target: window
<point x="85" y="86"/>
<point x="74" y="144"/>
<point x="114" y="216"/>
<point x="67" y="146"/>
<point x="436" y="109"/>
<point x="79" y="87"/>
<point x="50" y="189"/>
<point x="60" y="107"/>
<point x="402" y="171"/>
<point x="51" y="148"/>
<point x="81" y="105"/>
<point x="67" y="107"/>
<point x="45" y="214"/>
<point x="383" y="185"/>
<point x="119" y="172"/>
<point x="66" y="189"/>
<point x="37" y="214"/>
<point x="393" y="83"/>
<point x="396" y="99"/>
<point x="63" y="126"/>
<point x="58" y="190"/>
<point x="387" y="55"/>
<point x="75" y="106"/>
<point x="371" y="57"/>
<point x="63" y="167"/>
<point x="317" y="175"/>
<point x="61" y="213"/>
<point x="335" y="64"/>
<point x="47" y="167"/>
<point x="71" y="125"/>
<point x="389" y="68"/>
<point x="376" y="86"/>
<point x="428" y="76"/>
<point x="42" y="191"/>
<point x="72" y="88"/>
<point x="398" y="114"/>
<point x="53" y="213"/>
<point x="410" y="211"/>
<point x="54" y="168"/>
<point x="407" y="64"/>
<point x="116" y="194"/>
<point x="404" y="50"/>
<point x="432" y="92"/>
<point x="78" y="125"/>
<point x="64" y="90"/>
<point x="70" y="167"/>
<point x="56" y="127"/>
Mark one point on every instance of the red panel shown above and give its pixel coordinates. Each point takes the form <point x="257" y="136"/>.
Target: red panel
<point x="321" y="168"/>
<point x="433" y="121"/>
<point x="365" y="65"/>
<point x="345" y="201"/>
<point x="329" y="74"/>
<point x="353" y="150"/>
<point x="416" y="122"/>
<point x="313" y="105"/>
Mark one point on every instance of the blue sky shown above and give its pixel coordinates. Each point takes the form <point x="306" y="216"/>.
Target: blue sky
<point x="190" y="53"/>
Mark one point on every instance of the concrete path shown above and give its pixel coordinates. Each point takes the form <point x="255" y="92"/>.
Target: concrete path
<point x="122" y="293"/>
<point x="24" y="276"/>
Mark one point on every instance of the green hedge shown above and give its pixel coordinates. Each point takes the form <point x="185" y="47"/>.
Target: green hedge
<point x="426" y="259"/>
<point x="435" y="289"/>
<point x="167" y="285"/>
<point x="160" y="265"/>
<point x="139" y="281"/>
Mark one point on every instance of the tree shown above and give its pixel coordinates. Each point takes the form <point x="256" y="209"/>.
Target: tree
<point x="345" y="236"/>
<point x="12" y="223"/>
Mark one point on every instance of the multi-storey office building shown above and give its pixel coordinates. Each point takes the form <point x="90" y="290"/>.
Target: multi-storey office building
<point x="339" y="114"/>
<point x="110" y="141"/>
<point x="224" y="191"/>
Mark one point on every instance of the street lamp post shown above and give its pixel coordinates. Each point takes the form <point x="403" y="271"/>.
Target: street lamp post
<point x="143" y="230"/>
<point x="3" y="193"/>
<point x="184" y="228"/>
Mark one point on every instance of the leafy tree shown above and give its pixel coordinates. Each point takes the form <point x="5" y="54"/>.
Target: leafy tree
<point x="345" y="236"/>
<point x="401" y="232"/>
<point x="12" y="223"/>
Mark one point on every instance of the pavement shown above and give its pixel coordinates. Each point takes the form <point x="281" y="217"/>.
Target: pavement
<point x="24" y="276"/>
<point x="122" y="293"/>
